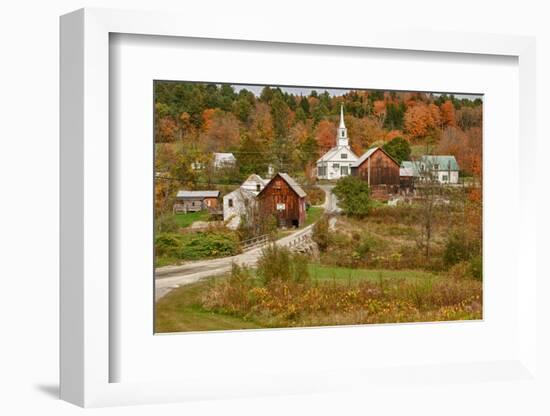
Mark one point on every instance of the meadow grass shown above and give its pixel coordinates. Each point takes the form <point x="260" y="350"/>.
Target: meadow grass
<point x="313" y="214"/>
<point x="322" y="272"/>
<point x="181" y="310"/>
<point x="185" y="220"/>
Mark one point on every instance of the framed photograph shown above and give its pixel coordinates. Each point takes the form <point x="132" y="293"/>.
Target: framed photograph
<point x="270" y="212"/>
<point x="286" y="213"/>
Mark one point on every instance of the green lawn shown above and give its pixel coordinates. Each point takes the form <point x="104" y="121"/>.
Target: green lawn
<point x="181" y="310"/>
<point x="328" y="273"/>
<point x="185" y="220"/>
<point x="313" y="214"/>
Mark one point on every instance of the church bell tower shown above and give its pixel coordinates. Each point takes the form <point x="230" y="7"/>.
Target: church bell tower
<point x="342" y="131"/>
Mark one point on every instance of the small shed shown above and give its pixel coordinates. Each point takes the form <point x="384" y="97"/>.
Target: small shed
<point x="377" y="167"/>
<point x="191" y="201"/>
<point x="283" y="198"/>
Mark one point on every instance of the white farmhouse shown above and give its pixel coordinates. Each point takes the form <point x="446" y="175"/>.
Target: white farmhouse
<point x="224" y="160"/>
<point x="442" y="168"/>
<point x="337" y="162"/>
<point x="219" y="161"/>
<point x="236" y="203"/>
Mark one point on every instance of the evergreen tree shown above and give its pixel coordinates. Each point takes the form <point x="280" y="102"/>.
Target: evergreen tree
<point x="398" y="148"/>
<point x="304" y="104"/>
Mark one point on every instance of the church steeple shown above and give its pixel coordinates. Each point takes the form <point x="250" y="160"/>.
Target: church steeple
<point x="342" y="131"/>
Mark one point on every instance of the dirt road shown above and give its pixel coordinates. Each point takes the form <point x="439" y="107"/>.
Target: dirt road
<point x="170" y="277"/>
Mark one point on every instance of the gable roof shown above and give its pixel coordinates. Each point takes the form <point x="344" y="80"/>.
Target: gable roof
<point x="290" y="181"/>
<point x="335" y="150"/>
<point x="245" y="193"/>
<point x="198" y="194"/>
<point x="224" y="156"/>
<point x="369" y="153"/>
<point x="256" y="178"/>
<point x="293" y="184"/>
<point x="408" y="168"/>
<point x="445" y="162"/>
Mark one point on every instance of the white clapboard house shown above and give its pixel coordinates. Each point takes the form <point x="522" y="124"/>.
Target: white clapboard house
<point x="337" y="162"/>
<point x="237" y="202"/>
<point x="219" y="161"/>
<point x="442" y="168"/>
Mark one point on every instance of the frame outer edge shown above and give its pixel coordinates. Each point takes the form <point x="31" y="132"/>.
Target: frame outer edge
<point x="528" y="156"/>
<point x="84" y="299"/>
<point x="71" y="203"/>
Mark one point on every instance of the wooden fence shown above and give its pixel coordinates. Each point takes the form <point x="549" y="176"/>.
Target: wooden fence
<point x="254" y="242"/>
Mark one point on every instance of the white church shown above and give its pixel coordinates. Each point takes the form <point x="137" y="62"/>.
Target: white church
<point x="337" y="161"/>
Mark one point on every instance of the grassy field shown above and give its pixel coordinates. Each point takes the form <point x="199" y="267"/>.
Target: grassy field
<point x="373" y="271"/>
<point x="181" y="310"/>
<point x="313" y="214"/>
<point x="185" y="220"/>
<point x="321" y="273"/>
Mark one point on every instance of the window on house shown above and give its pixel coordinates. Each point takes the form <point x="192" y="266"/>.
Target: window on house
<point x="436" y="166"/>
<point x="258" y="187"/>
<point x="343" y="133"/>
<point x="322" y="171"/>
<point x="336" y="165"/>
<point x="344" y="156"/>
<point x="230" y="203"/>
<point x="445" y="178"/>
<point x="344" y="170"/>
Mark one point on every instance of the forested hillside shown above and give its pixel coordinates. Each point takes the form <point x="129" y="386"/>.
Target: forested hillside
<point x="290" y="131"/>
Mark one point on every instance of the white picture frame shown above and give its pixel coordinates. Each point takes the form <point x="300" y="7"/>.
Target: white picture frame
<point x="86" y="333"/>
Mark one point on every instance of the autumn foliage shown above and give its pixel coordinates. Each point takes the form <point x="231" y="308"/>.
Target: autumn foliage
<point x="290" y="131"/>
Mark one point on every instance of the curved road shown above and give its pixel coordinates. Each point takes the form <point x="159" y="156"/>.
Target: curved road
<point x="331" y="202"/>
<point x="171" y="277"/>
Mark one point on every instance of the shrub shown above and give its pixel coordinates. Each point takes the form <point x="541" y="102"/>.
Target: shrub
<point x="208" y="244"/>
<point x="385" y="214"/>
<point x="354" y="196"/>
<point x="459" y="247"/>
<point x="459" y="271"/>
<point x="280" y="264"/>
<point x="321" y="234"/>
<point x="195" y="246"/>
<point x="167" y="244"/>
<point x="471" y="269"/>
<point x="476" y="267"/>
<point x="367" y="246"/>
<point x="166" y="223"/>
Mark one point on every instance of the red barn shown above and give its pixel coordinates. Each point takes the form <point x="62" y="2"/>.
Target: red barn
<point x="377" y="167"/>
<point x="285" y="199"/>
<point x="380" y="170"/>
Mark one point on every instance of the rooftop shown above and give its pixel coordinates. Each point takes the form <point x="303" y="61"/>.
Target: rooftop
<point x="444" y="162"/>
<point x="198" y="194"/>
